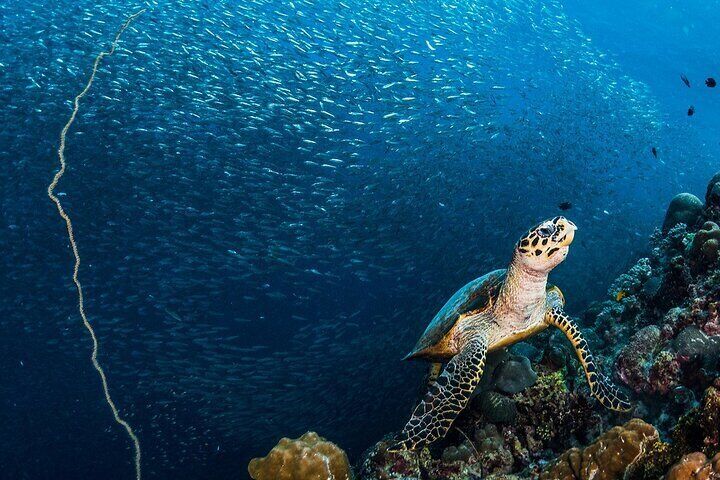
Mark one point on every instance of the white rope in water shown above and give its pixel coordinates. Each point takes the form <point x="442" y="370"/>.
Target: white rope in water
<point x="73" y="243"/>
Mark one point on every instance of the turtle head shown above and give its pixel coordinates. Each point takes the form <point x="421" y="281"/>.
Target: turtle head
<point x="546" y="246"/>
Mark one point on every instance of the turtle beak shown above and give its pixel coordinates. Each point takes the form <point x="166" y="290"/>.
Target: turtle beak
<point x="570" y="233"/>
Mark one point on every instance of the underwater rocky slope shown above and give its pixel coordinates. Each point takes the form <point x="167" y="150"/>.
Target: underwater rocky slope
<point x="532" y="416"/>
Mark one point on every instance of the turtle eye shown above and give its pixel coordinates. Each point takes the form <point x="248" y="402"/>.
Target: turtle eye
<point x="546" y="230"/>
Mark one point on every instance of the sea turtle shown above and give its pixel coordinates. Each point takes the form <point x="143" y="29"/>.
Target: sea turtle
<point x="491" y="312"/>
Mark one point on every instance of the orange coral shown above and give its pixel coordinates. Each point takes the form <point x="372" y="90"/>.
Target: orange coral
<point x="309" y="457"/>
<point x="606" y="459"/>
<point x="695" y="466"/>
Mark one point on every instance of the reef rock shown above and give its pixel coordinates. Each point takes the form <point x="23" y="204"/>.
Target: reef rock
<point x="515" y="375"/>
<point x="695" y="466"/>
<point x="608" y="458"/>
<point x="684" y="208"/>
<point x="309" y="457"/>
<point x="694" y="344"/>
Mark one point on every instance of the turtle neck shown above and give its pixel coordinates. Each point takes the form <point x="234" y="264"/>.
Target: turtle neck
<point x="522" y="290"/>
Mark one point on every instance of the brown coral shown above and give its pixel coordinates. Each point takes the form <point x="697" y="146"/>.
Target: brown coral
<point x="695" y="466"/>
<point x="606" y="459"/>
<point x="309" y="457"/>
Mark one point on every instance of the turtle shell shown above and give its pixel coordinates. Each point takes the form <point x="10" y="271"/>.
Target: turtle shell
<point x="474" y="296"/>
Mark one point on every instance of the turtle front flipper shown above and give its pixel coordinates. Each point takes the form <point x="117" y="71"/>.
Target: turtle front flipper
<point x="601" y="387"/>
<point x="446" y="396"/>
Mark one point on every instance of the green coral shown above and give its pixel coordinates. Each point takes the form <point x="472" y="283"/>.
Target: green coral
<point x="555" y="381"/>
<point x="546" y="411"/>
<point x="551" y="390"/>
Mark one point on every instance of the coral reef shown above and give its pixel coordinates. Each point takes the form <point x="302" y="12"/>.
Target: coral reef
<point x="608" y="458"/>
<point x="505" y="375"/>
<point x="666" y="306"/>
<point x="456" y="463"/>
<point x="635" y="451"/>
<point x="684" y="208"/>
<point x="696" y="431"/>
<point x="507" y="437"/>
<point x="309" y="457"/>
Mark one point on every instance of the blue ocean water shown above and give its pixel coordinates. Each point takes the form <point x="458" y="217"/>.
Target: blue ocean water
<point x="271" y="200"/>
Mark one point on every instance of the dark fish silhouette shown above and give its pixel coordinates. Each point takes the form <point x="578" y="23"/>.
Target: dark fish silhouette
<point x="685" y="80"/>
<point x="710" y="82"/>
<point x="654" y="152"/>
<point x="565" y="206"/>
<point x="691" y="111"/>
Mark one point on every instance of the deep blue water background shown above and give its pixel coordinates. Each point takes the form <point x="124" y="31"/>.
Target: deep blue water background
<point x="194" y="252"/>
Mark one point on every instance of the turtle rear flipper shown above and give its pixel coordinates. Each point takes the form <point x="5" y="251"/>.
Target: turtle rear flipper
<point x="446" y="397"/>
<point x="601" y="386"/>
